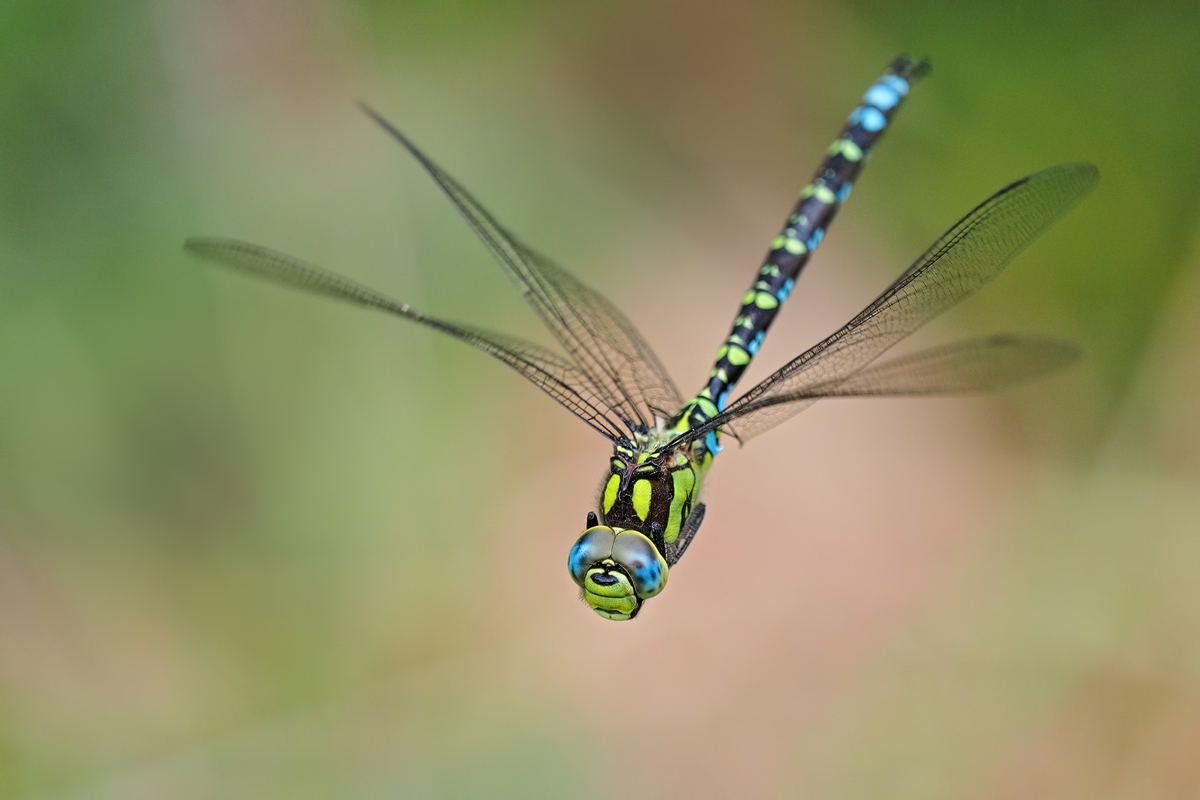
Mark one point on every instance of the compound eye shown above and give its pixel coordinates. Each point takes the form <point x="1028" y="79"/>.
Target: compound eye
<point x="595" y="545"/>
<point x="646" y="567"/>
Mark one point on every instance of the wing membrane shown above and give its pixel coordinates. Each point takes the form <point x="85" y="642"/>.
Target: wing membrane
<point x="968" y="256"/>
<point x="550" y="372"/>
<point x="974" y="365"/>
<point x="627" y="375"/>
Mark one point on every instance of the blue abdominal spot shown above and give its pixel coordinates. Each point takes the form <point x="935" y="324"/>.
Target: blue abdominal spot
<point x="895" y="83"/>
<point x="873" y="119"/>
<point x="882" y="97"/>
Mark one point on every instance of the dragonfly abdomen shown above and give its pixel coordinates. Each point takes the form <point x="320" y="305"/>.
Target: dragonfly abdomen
<point x="805" y="228"/>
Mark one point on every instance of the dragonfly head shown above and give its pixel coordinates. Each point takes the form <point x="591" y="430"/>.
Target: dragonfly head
<point x="617" y="569"/>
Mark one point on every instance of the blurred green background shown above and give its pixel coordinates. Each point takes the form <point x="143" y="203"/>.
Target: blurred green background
<point x="255" y="544"/>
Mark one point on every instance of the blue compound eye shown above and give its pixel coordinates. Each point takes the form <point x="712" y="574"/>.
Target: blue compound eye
<point x="595" y="545"/>
<point x="642" y="562"/>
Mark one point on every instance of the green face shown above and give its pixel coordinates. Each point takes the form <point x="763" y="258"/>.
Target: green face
<point x="617" y="570"/>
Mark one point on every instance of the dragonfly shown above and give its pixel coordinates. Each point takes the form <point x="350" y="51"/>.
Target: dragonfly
<point x="648" y="510"/>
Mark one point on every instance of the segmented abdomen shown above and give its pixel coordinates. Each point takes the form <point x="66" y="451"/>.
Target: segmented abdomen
<point x="790" y="251"/>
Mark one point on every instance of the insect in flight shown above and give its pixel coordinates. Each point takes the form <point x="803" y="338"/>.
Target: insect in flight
<point x="648" y="510"/>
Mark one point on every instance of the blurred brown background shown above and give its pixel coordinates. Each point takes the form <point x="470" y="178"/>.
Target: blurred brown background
<point x="255" y="544"/>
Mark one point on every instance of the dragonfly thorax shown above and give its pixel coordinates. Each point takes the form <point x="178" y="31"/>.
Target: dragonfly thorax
<point x="652" y="490"/>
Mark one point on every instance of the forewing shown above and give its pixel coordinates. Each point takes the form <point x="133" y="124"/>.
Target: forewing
<point x="965" y="258"/>
<point x="599" y="339"/>
<point x="610" y="341"/>
<point x="550" y="372"/>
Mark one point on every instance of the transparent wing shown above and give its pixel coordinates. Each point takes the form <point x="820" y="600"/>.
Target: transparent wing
<point x="550" y="372"/>
<point x="604" y="345"/>
<point x="973" y="365"/>
<point x="965" y="258"/>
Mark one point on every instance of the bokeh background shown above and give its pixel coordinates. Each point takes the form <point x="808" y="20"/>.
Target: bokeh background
<point x="255" y="544"/>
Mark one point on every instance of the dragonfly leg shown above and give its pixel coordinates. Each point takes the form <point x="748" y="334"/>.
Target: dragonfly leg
<point x="676" y="549"/>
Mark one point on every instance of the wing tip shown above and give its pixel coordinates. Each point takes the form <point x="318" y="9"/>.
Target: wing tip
<point x="193" y="242"/>
<point x="200" y="245"/>
<point x="1068" y="353"/>
<point x="1054" y="355"/>
<point x="370" y="111"/>
<point x="1087" y="173"/>
<point x="1078" y="177"/>
<point x="389" y="128"/>
<point x="209" y="246"/>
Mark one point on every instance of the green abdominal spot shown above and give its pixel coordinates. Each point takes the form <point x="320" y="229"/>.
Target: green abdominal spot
<point x="708" y="407"/>
<point x="764" y="300"/>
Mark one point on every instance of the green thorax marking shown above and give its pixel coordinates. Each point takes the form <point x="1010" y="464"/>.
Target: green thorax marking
<point x="653" y="490"/>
